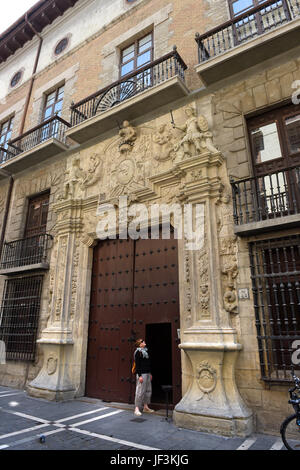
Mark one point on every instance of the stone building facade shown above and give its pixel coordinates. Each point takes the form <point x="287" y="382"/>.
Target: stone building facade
<point x="102" y="120"/>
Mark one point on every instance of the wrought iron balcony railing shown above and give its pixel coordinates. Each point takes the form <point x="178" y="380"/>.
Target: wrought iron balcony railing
<point x="25" y="252"/>
<point x="264" y="18"/>
<point x="266" y="197"/>
<point x="6" y="154"/>
<point x="55" y="127"/>
<point x="132" y="84"/>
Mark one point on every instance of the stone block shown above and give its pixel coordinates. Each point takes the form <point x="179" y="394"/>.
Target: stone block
<point x="286" y="82"/>
<point x="239" y="132"/>
<point x="282" y="69"/>
<point x="273" y="90"/>
<point x="260" y="96"/>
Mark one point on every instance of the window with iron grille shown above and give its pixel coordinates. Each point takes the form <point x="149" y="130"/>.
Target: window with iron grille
<point x="19" y="317"/>
<point x="275" y="270"/>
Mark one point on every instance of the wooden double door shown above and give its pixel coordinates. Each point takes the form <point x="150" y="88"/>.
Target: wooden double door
<point x="134" y="294"/>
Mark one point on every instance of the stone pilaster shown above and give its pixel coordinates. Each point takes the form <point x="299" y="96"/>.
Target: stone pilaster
<point x="54" y="381"/>
<point x="211" y="401"/>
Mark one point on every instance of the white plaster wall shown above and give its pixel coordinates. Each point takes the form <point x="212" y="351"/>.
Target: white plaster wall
<point x="23" y="60"/>
<point x="79" y="23"/>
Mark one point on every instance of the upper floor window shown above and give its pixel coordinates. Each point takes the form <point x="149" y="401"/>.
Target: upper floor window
<point x="5" y="132"/>
<point x="275" y="139"/>
<point x="238" y="7"/>
<point x="16" y="78"/>
<point x="265" y="18"/>
<point x="53" y="103"/>
<point x="61" y="46"/>
<point x="275" y="145"/>
<point x="137" y="55"/>
<point x="37" y="214"/>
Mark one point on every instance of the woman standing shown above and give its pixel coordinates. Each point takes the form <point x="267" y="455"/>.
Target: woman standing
<point x="143" y="389"/>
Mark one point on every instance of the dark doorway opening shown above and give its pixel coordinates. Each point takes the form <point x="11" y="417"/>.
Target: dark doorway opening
<point x="159" y="343"/>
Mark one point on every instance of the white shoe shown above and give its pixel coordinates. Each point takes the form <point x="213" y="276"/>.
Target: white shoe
<point x="138" y="413"/>
<point x="148" y="410"/>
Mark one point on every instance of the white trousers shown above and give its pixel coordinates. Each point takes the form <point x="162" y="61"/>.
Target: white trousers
<point x="143" y="391"/>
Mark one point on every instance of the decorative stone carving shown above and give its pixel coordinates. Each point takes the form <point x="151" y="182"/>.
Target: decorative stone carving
<point x="93" y="173"/>
<point x="228" y="251"/>
<point x="129" y="172"/>
<point x="74" y="178"/>
<point x="203" y="281"/>
<point x="74" y="278"/>
<point x="187" y="288"/>
<point x="78" y="179"/>
<point x="206" y="378"/>
<point x="163" y="148"/>
<point x="51" y="365"/>
<point x="60" y="275"/>
<point x="197" y="137"/>
<point x="128" y="136"/>
<point x="230" y="271"/>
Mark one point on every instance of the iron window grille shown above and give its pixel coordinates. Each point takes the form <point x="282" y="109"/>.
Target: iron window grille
<point x="19" y="317"/>
<point x="275" y="270"/>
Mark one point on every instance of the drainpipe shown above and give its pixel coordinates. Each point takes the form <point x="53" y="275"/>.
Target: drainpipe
<point x="7" y="206"/>
<point x="33" y="72"/>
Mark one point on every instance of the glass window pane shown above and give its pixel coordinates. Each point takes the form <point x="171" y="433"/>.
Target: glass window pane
<point x="265" y="141"/>
<point x="144" y="59"/>
<point x="60" y="92"/>
<point x="50" y="99"/>
<point x="239" y="6"/>
<point x="128" y="53"/>
<point x="145" y="43"/>
<point x="48" y="113"/>
<point x="4" y="127"/>
<point x="58" y="107"/>
<point x="127" y="68"/>
<point x="293" y="132"/>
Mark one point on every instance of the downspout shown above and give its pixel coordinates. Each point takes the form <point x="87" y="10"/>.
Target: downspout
<point x="7" y="206"/>
<point x="11" y="180"/>
<point x="33" y="73"/>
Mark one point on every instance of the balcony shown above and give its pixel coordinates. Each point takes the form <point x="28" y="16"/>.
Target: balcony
<point x="152" y="86"/>
<point x="26" y="254"/>
<point x="34" y="146"/>
<point x="267" y="203"/>
<point x="249" y="39"/>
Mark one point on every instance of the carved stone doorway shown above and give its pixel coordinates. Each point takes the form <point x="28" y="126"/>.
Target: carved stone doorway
<point x="134" y="294"/>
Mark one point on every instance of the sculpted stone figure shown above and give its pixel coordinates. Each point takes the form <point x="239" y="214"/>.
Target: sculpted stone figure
<point x="128" y="136"/>
<point x="197" y="137"/>
<point x="230" y="298"/>
<point x="74" y="177"/>
<point x="164" y="146"/>
<point x="93" y="173"/>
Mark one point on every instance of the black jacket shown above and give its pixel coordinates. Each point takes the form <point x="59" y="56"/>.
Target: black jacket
<point x="143" y="365"/>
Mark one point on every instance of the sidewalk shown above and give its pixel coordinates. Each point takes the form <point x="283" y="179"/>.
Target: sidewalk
<point x="89" y="424"/>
